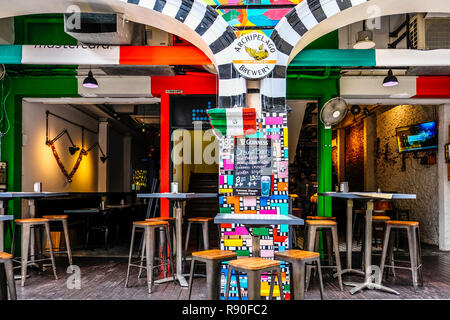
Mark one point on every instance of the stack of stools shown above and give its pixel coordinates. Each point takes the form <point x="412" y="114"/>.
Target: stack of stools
<point x="63" y="219"/>
<point x="412" y="228"/>
<point x="312" y="244"/>
<point x="6" y="259"/>
<point x="149" y="240"/>
<point x="213" y="259"/>
<point x="254" y="267"/>
<point x="203" y="223"/>
<point x="298" y="260"/>
<point x="27" y="225"/>
<point x="162" y="241"/>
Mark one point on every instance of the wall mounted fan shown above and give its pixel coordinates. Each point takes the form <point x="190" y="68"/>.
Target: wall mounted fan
<point x="333" y="112"/>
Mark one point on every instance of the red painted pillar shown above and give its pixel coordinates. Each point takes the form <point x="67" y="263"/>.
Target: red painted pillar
<point x="164" y="152"/>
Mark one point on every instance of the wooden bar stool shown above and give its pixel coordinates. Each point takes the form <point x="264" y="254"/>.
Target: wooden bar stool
<point x="6" y="259"/>
<point x="312" y="244"/>
<point x="26" y="225"/>
<point x="253" y="267"/>
<point x="412" y="228"/>
<point x="213" y="259"/>
<point x="320" y="218"/>
<point x="203" y="223"/>
<point x="63" y="219"/>
<point x="162" y="242"/>
<point x="298" y="260"/>
<point x="149" y="236"/>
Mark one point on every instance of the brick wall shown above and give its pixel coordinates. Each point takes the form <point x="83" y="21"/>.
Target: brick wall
<point x="354" y="156"/>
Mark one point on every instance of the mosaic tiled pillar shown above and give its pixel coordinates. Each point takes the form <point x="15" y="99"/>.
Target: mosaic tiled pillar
<point x="236" y="237"/>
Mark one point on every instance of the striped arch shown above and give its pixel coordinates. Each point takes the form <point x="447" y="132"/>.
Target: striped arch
<point x="311" y="19"/>
<point x="192" y="20"/>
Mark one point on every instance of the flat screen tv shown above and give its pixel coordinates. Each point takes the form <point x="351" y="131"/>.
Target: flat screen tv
<point x="416" y="137"/>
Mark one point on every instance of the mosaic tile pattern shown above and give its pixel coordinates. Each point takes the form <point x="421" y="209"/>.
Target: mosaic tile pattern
<point x="273" y="238"/>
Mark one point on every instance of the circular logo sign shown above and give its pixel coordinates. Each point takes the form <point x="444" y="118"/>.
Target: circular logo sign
<point x="255" y="55"/>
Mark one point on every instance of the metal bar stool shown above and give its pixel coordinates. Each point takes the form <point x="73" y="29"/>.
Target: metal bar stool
<point x="329" y="249"/>
<point x="298" y="260"/>
<point x="63" y="219"/>
<point x="213" y="259"/>
<point x="375" y="220"/>
<point x="312" y="244"/>
<point x="254" y="266"/>
<point x="203" y="222"/>
<point x="412" y="228"/>
<point x="6" y="259"/>
<point x="162" y="242"/>
<point x="26" y="225"/>
<point x="149" y="236"/>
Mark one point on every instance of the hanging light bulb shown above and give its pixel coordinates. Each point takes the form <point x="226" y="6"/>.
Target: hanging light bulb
<point x="364" y="39"/>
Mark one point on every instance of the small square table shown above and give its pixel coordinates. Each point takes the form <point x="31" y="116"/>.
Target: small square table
<point x="371" y="282"/>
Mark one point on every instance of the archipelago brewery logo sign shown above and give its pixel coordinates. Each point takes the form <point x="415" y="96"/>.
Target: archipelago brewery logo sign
<point x="255" y="55"/>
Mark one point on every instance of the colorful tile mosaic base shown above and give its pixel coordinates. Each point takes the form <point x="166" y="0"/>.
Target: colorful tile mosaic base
<point x="273" y="238"/>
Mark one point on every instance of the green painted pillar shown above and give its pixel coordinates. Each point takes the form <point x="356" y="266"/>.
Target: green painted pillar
<point x="324" y="166"/>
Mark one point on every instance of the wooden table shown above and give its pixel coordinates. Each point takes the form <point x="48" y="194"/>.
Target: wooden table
<point x="258" y="220"/>
<point x="371" y="282"/>
<point x="178" y="199"/>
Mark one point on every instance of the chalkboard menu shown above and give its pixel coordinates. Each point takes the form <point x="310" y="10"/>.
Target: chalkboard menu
<point x="252" y="167"/>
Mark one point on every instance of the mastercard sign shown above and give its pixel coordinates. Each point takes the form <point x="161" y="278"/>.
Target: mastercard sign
<point x="255" y="55"/>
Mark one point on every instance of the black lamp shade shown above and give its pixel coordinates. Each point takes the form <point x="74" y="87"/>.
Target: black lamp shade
<point x="90" y="81"/>
<point x="390" y="80"/>
<point x="103" y="159"/>
<point x="73" y="150"/>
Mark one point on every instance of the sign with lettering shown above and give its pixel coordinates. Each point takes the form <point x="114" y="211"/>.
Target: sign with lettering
<point x="255" y="55"/>
<point x="252" y="167"/>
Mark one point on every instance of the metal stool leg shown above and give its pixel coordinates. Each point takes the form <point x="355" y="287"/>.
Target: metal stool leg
<point x="272" y="284"/>
<point x="24" y="255"/>
<point x="205" y="235"/>
<point x="129" y="256"/>
<point x="419" y="257"/>
<point x="337" y="256"/>
<point x="227" y="287"/>
<point x="298" y="279"/>
<point x="191" y="277"/>
<point x="280" y="283"/>
<point x="67" y="241"/>
<point x="320" y="278"/>
<point x="311" y="243"/>
<point x="212" y="281"/>
<point x="10" y="279"/>
<point x="254" y="285"/>
<point x="141" y="264"/>
<point x="187" y="241"/>
<point x="385" y="247"/>
<point x="50" y="246"/>
<point x="413" y="255"/>
<point x="150" y="255"/>
<point x="238" y="282"/>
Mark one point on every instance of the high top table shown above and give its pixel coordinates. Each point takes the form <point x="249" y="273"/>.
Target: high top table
<point x="371" y="282"/>
<point x="178" y="198"/>
<point x="257" y="220"/>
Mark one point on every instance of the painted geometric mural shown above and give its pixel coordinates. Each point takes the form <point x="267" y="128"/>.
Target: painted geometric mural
<point x="244" y="13"/>
<point x="273" y="238"/>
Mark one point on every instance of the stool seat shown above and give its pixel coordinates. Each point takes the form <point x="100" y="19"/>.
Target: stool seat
<point x="56" y="217"/>
<point x="402" y="223"/>
<point x="214" y="254"/>
<point x="200" y="219"/>
<point x="5" y="256"/>
<point x="31" y="220"/>
<point x="320" y="218"/>
<point x="321" y="222"/>
<point x="150" y="223"/>
<point x="380" y="218"/>
<point x="169" y="219"/>
<point x="253" y="263"/>
<point x="297" y="254"/>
